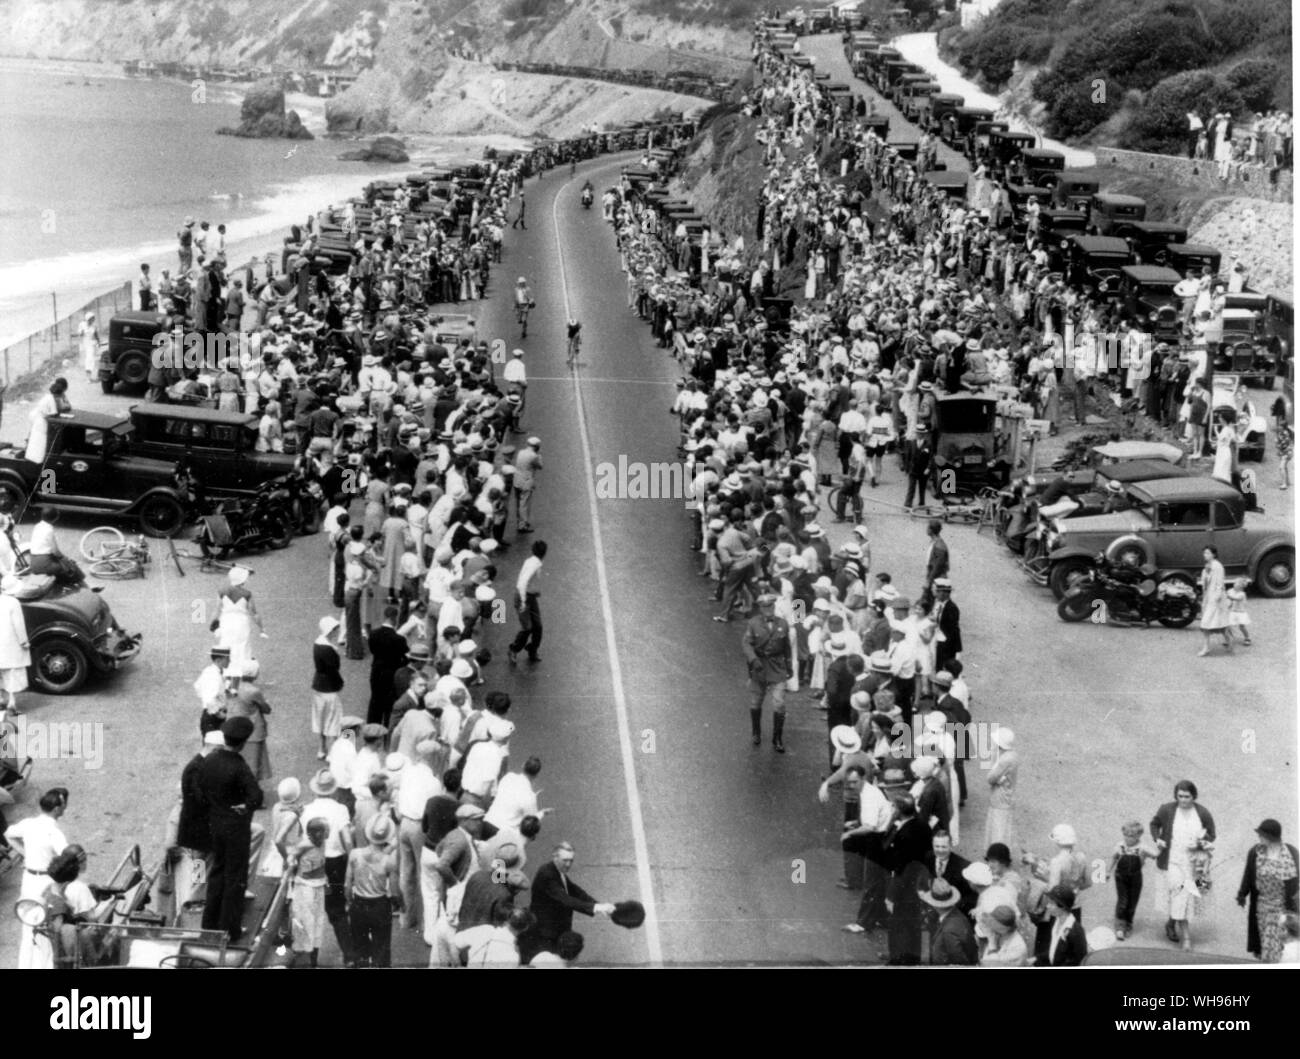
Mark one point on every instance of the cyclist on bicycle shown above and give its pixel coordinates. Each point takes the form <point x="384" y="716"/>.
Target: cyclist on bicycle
<point x="523" y="303"/>
<point x="515" y="377"/>
<point x="575" y="339"/>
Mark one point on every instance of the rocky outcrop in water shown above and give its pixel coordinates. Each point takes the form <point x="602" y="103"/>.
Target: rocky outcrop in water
<point x="262" y="116"/>
<point x="380" y="149"/>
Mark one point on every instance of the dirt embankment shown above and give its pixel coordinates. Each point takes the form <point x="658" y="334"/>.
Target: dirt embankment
<point x="723" y="174"/>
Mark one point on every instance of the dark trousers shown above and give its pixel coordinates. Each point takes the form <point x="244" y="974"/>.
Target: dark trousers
<point x="382" y="694"/>
<point x="530" y="626"/>
<point x="904" y="696"/>
<point x="915" y="484"/>
<point x="960" y="766"/>
<point x="905" y="935"/>
<point x="1128" y="888"/>
<point x="227" y="873"/>
<point x="336" y="905"/>
<point x="850" y="492"/>
<point x="372" y="930"/>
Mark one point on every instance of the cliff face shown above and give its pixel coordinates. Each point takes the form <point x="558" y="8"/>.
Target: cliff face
<point x="287" y="33"/>
<point x="428" y="63"/>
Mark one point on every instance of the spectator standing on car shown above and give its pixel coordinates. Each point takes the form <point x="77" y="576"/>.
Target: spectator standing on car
<point x="232" y="795"/>
<point x="54" y="402"/>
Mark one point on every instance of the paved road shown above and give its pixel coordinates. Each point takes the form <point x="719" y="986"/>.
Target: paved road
<point x="729" y="849"/>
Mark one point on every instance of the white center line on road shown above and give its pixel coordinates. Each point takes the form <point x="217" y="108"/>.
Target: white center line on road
<point x="615" y="668"/>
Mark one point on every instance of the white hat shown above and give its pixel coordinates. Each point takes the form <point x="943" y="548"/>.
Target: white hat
<point x="925" y="767"/>
<point x="1004" y="738"/>
<point x="214" y="738"/>
<point x="327" y="625"/>
<point x="461" y="670"/>
<point x="238" y="575"/>
<point x="978" y="874"/>
<point x="484" y="594"/>
<point x="395" y="762"/>
<point x="845" y="739"/>
<point x="1063" y="835"/>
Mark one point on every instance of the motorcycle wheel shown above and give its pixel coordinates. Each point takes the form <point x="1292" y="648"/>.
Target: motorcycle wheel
<point x="279" y="532"/>
<point x="1076" y="605"/>
<point x="209" y="550"/>
<point x="1178" y="615"/>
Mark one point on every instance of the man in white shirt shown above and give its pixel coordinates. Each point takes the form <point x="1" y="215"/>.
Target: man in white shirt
<point x="516" y="796"/>
<point x="496" y="945"/>
<point x="528" y="606"/>
<point x="418" y="785"/>
<point x="484" y="761"/>
<point x="40" y="839"/>
<point x="875" y="814"/>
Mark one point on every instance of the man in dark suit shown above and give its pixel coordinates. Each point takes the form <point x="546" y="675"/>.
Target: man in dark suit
<point x="917" y="456"/>
<point x="936" y="559"/>
<point x="942" y="863"/>
<point x="227" y="786"/>
<point x="952" y="937"/>
<point x="904" y="859"/>
<point x="387" y="656"/>
<point x="554" y="900"/>
<point x="947" y="616"/>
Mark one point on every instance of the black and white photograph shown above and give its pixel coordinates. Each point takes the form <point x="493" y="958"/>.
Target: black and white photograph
<point x="650" y="485"/>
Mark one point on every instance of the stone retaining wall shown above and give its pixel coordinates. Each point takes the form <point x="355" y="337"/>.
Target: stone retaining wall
<point x="1252" y="181"/>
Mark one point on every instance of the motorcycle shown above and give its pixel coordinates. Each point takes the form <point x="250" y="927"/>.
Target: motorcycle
<point x="265" y="521"/>
<point x="587" y="197"/>
<point x="1124" y="594"/>
<point x="302" y="497"/>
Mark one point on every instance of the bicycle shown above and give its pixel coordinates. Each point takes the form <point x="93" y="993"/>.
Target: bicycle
<point x="112" y="557"/>
<point x="522" y="310"/>
<point x="575" y="342"/>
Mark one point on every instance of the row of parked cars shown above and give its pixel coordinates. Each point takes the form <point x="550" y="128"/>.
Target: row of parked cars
<point x="1097" y="240"/>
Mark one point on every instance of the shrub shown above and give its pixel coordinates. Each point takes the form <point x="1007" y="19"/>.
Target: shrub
<point x="994" y="55"/>
<point x="1083" y="104"/>
<point x="1255" y="81"/>
<point x="1161" y="123"/>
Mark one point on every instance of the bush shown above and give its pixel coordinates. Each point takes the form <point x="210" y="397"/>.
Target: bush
<point x="1161" y="123"/>
<point x="1255" y="81"/>
<point x="1084" y="104"/>
<point x="994" y="56"/>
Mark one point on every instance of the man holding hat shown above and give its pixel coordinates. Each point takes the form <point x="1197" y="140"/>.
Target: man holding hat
<point x="555" y="898"/>
<point x="230" y="790"/>
<point x="766" y="644"/>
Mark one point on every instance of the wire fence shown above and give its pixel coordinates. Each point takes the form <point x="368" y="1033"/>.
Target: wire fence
<point x="30" y="355"/>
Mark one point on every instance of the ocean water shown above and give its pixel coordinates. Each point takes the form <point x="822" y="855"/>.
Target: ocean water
<point x="98" y="171"/>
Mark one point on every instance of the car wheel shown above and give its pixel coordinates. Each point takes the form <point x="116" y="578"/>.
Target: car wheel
<point x="1066" y="573"/>
<point x="1131" y="549"/>
<point x="1075" y="606"/>
<point x="133" y="370"/>
<point x="1275" y="573"/>
<point x="161" y="516"/>
<point x="59" y="666"/>
<point x="12" y="498"/>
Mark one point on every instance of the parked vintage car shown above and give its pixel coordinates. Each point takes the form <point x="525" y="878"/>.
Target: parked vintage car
<point x="217" y="445"/>
<point x="1147" y="292"/>
<point x="1107" y="211"/>
<point x="72" y="633"/>
<point x="127" y="356"/>
<point x="89" y="467"/>
<point x="1170" y="523"/>
<point x="1150" y="240"/>
<point x="1094" y="263"/>
<point x="969" y="452"/>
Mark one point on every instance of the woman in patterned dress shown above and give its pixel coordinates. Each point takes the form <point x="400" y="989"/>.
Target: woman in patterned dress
<point x="1270" y="883"/>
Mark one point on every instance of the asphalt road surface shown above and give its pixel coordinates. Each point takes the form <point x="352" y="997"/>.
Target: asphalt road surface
<point x="638" y="708"/>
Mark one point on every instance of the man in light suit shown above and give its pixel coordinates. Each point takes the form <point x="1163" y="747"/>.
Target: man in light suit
<point x="554" y="900"/>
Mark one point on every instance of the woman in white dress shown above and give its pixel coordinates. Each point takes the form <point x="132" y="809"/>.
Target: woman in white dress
<point x="88" y="337"/>
<point x="15" y="655"/>
<point x="235" y="622"/>
<point x="1225" y="453"/>
<point x="998" y="823"/>
<point x="1214" y="602"/>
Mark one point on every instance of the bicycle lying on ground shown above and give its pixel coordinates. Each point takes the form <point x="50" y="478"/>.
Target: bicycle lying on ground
<point x="112" y="557"/>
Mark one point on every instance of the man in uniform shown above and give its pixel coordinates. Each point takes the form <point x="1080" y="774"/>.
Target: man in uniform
<point x="767" y="650"/>
<point x="232" y="794"/>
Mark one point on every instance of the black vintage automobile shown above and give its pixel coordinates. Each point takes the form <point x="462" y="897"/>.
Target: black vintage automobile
<point x="1147" y="292"/>
<point x="1094" y="262"/>
<point x="219" y="446"/>
<point x="969" y="451"/>
<point x="72" y="634"/>
<point x="132" y="339"/>
<point x="89" y="467"/>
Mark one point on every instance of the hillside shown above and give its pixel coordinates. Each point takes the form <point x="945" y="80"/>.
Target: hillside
<point x="1125" y="73"/>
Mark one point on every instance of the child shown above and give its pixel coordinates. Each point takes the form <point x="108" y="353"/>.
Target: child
<point x="1126" y="868"/>
<point x="309" y="890"/>
<point x="1285" y="445"/>
<point x="1237" y="616"/>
